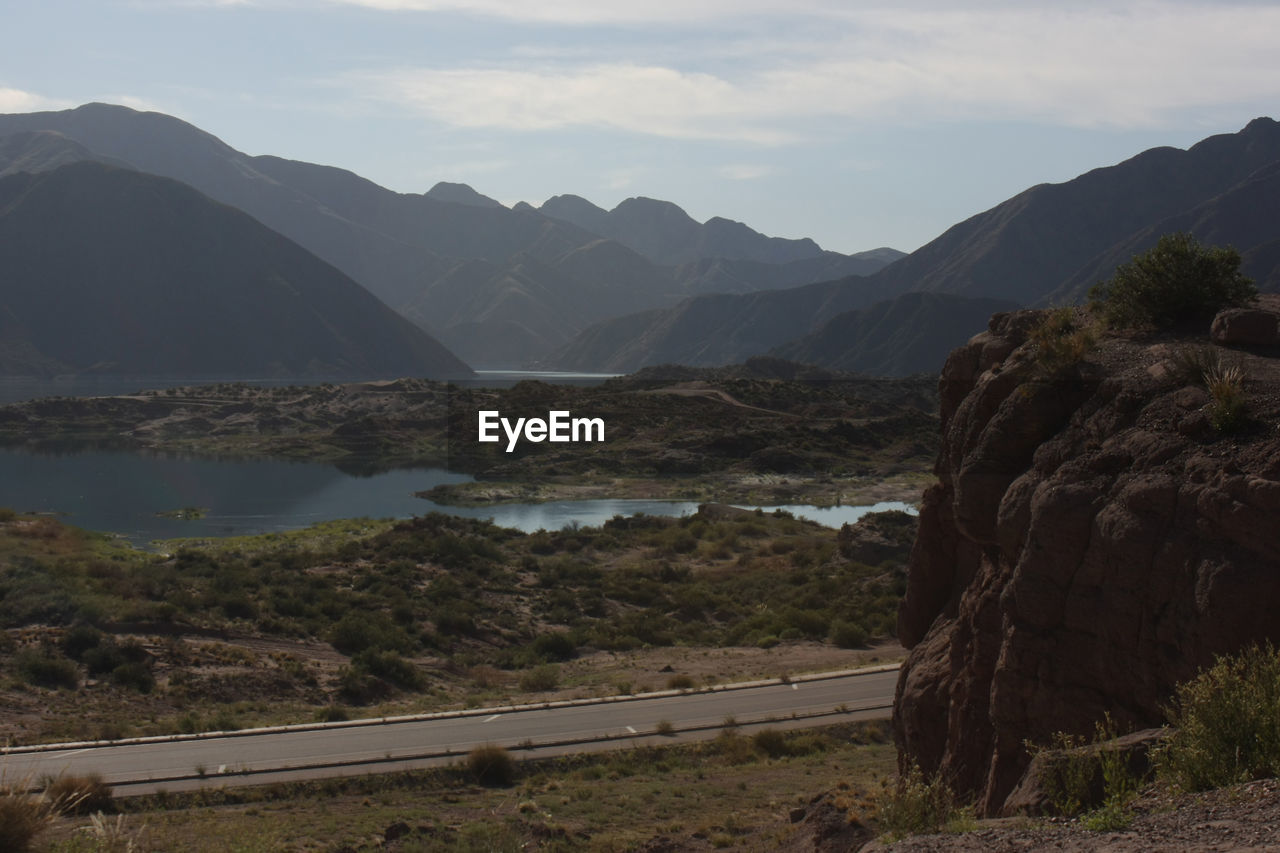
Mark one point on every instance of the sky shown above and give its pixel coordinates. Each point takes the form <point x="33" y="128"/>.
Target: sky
<point x="859" y="124"/>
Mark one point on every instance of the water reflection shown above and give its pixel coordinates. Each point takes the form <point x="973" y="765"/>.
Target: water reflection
<point x="122" y="492"/>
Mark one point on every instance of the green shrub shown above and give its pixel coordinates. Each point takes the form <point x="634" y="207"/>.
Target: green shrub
<point x="491" y="766"/>
<point x="541" y="678"/>
<point x="390" y="667"/>
<point x="555" y="646"/>
<point x="1177" y="281"/>
<point x="79" y="640"/>
<point x="680" y="682"/>
<point x="47" y="668"/>
<point x="136" y="676"/>
<point x="357" y="631"/>
<point x="848" y="635"/>
<point x="1226" y="723"/>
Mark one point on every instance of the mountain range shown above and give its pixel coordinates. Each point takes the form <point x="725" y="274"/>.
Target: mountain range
<point x="500" y="286"/>
<point x="1046" y="245"/>
<point x="570" y="285"/>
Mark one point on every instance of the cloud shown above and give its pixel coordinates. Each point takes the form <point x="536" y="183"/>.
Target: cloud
<point x="1140" y="66"/>
<point x="641" y="99"/>
<point x="596" y="12"/>
<point x="18" y="101"/>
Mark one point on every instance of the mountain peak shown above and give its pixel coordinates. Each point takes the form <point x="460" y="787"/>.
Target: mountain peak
<point x="460" y="194"/>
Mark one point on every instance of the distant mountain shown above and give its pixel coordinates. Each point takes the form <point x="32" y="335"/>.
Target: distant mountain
<point x="912" y="333"/>
<point x="110" y="270"/>
<point x="1047" y="244"/>
<point x="665" y="234"/>
<point x="495" y="315"/>
<point x="708" y="331"/>
<point x="403" y="246"/>
<point x="724" y="275"/>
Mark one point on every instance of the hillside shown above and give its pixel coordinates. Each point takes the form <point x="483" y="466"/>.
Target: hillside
<point x="898" y="337"/>
<point x="1046" y="244"/>
<point x="116" y="271"/>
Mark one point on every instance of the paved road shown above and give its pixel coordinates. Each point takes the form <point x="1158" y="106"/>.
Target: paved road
<point x="247" y="758"/>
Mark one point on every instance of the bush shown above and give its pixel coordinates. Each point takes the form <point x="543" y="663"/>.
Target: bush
<point x="23" y="816"/>
<point x="492" y="766"/>
<point x="47" y="668"/>
<point x="848" y="635"/>
<point x="540" y="678"/>
<point x="1061" y="340"/>
<point x="79" y="795"/>
<point x="1227" y="723"/>
<point x="389" y="666"/>
<point x="919" y="805"/>
<point x="555" y="646"/>
<point x="357" y="631"/>
<point x="1177" y="281"/>
<point x="136" y="676"/>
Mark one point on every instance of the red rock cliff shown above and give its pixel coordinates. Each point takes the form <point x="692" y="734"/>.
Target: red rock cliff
<point x="1092" y="540"/>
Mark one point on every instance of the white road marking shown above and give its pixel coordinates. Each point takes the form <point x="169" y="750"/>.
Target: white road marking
<point x="633" y="731"/>
<point x="795" y="686"/>
<point x="222" y="768"/>
<point x="491" y="719"/>
<point x="76" y="751"/>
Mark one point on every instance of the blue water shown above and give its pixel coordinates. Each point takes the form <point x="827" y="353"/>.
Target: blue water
<point x="121" y="492"/>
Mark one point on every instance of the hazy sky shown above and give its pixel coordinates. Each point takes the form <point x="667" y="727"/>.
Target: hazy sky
<point x="858" y="124"/>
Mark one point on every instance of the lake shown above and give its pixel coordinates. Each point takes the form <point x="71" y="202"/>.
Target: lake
<point x="121" y="492"/>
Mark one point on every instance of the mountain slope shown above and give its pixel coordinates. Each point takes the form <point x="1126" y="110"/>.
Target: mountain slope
<point x="910" y="334"/>
<point x="112" y="270"/>
<point x="42" y="151"/>
<point x="1245" y="216"/>
<point x="709" y="330"/>
<point x="1024" y="250"/>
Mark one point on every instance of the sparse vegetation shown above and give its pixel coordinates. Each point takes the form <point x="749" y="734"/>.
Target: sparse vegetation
<point x="1176" y="281"/>
<point x="24" y="815"/>
<point x="1228" y="409"/>
<point x="419" y="607"/>
<point x="913" y="804"/>
<point x="1062" y="340"/>
<point x="1226" y="723"/>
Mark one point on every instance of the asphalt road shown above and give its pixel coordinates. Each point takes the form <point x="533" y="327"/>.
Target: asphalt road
<point x="255" y="758"/>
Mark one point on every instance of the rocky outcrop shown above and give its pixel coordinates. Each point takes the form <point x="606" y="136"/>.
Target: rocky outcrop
<point x="1091" y="541"/>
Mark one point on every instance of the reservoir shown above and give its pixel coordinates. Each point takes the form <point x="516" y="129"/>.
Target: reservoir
<point x="122" y="492"/>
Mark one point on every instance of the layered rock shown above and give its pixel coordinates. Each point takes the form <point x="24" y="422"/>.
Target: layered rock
<point x="1091" y="541"/>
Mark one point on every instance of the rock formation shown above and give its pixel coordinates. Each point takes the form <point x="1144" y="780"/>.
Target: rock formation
<point x="1092" y="540"/>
